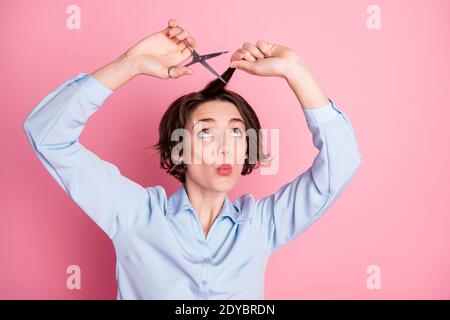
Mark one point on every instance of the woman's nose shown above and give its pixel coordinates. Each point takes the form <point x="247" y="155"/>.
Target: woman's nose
<point x="223" y="145"/>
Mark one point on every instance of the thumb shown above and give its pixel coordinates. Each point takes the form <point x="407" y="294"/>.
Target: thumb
<point x="242" y="64"/>
<point x="177" y="72"/>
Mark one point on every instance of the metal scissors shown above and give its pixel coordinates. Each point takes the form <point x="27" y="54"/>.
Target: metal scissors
<point x="202" y="59"/>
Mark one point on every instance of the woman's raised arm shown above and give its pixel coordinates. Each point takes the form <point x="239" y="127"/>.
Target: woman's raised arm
<point x="280" y="217"/>
<point x="53" y="128"/>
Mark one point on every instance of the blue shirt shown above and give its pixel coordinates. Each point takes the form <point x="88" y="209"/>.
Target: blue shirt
<point x="160" y="246"/>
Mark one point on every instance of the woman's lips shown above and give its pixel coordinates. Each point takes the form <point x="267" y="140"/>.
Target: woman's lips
<point x="224" y="170"/>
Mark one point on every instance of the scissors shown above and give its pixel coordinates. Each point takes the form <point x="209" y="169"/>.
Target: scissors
<point x="201" y="58"/>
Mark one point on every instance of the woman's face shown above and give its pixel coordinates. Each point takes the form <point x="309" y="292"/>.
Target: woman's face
<point x="216" y="136"/>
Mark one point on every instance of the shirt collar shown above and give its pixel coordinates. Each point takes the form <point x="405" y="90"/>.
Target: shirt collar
<point x="179" y="202"/>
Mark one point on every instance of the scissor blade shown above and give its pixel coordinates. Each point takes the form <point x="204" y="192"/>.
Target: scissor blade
<point x="192" y="62"/>
<point x="195" y="58"/>
<point x="198" y="58"/>
<point x="207" y="66"/>
<point x="212" y="55"/>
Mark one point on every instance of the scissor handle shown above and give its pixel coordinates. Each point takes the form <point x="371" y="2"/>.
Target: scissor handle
<point x="196" y="58"/>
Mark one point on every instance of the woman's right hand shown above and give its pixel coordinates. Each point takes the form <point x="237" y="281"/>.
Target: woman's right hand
<point x="156" y="53"/>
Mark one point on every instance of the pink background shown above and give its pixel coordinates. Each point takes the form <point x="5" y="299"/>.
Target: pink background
<point x="392" y="83"/>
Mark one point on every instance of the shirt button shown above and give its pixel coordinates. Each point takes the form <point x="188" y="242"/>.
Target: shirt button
<point x="204" y="282"/>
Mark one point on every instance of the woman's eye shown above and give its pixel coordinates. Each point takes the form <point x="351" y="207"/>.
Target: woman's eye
<point x="204" y="133"/>
<point x="238" y="131"/>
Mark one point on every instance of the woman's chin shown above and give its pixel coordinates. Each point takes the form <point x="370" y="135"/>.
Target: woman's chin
<point x="224" y="183"/>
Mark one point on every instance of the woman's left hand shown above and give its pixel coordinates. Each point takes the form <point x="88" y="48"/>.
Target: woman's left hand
<point x="266" y="59"/>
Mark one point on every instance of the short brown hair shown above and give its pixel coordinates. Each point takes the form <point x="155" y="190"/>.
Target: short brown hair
<point x="177" y="115"/>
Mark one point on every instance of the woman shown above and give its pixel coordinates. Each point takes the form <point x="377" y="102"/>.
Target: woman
<point x="196" y="243"/>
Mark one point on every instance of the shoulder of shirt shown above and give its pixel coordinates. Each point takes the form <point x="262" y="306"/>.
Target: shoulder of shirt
<point x="158" y="195"/>
<point x="244" y="204"/>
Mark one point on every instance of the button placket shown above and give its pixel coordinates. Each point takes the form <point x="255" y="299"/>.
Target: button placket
<point x="204" y="284"/>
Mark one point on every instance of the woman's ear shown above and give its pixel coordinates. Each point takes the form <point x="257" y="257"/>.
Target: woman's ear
<point x="179" y="160"/>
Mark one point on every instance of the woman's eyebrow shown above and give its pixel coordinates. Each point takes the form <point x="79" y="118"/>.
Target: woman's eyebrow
<point x="214" y="120"/>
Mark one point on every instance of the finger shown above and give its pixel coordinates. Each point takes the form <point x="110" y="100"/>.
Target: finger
<point x="246" y="55"/>
<point x="178" y="72"/>
<point x="192" y="42"/>
<point x="267" y="48"/>
<point x="169" y="31"/>
<point x="239" y="54"/>
<point x="182" y="35"/>
<point x="182" y="45"/>
<point x="173" y="32"/>
<point x="253" y="50"/>
<point x="243" y="64"/>
<point x="236" y="56"/>
<point x="172" y="23"/>
<point x="186" y="52"/>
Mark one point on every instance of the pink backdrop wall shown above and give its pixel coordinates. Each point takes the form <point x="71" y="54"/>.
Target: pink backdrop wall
<point x="392" y="82"/>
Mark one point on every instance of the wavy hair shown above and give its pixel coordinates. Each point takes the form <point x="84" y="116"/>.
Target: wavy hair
<point x="177" y="115"/>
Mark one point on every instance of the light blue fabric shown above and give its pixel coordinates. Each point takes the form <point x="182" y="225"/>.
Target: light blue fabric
<point x="161" y="249"/>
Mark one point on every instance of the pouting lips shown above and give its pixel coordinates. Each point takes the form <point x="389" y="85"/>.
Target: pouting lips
<point x="224" y="170"/>
<point x="224" y="167"/>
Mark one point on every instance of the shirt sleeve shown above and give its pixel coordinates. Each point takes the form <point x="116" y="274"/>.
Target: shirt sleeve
<point x="282" y="216"/>
<point x="53" y="128"/>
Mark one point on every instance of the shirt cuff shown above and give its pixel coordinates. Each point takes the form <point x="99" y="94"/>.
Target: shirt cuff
<point x="321" y="114"/>
<point x="96" y="91"/>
